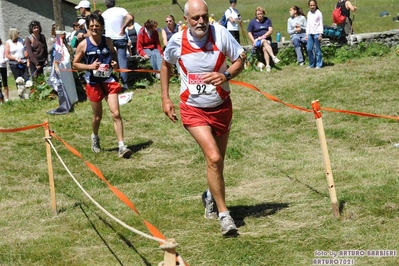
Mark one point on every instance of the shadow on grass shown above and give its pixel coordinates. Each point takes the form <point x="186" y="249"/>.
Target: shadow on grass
<point x="308" y="186"/>
<point x="123" y="238"/>
<point x="136" y="148"/>
<point x="239" y="213"/>
<point x="340" y="202"/>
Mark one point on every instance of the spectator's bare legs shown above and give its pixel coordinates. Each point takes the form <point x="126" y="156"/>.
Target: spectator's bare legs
<point x="97" y="108"/>
<point x="266" y="55"/>
<point x="214" y="149"/>
<point x="267" y="51"/>
<point x="113" y="105"/>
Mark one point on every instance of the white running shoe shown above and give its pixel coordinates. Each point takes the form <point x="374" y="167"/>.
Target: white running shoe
<point x="227" y="226"/>
<point x="211" y="210"/>
<point x="95" y="144"/>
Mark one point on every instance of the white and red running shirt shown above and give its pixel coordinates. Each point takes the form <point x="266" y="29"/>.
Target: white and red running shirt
<point x="197" y="56"/>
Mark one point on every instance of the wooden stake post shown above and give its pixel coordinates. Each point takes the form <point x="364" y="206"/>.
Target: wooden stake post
<point x="244" y="35"/>
<point x="326" y="158"/>
<point x="50" y="168"/>
<point x="169" y="247"/>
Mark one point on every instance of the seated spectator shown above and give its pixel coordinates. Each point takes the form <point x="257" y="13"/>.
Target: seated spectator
<point x="132" y="31"/>
<point x="170" y="29"/>
<point x="260" y="30"/>
<point x="148" y="44"/>
<point x="296" y="27"/>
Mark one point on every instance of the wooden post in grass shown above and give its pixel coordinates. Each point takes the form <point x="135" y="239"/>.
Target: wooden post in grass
<point x="244" y="35"/>
<point x="50" y="168"/>
<point x="169" y="247"/>
<point x="326" y="158"/>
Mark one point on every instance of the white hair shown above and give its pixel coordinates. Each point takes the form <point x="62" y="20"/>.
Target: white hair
<point x="186" y="7"/>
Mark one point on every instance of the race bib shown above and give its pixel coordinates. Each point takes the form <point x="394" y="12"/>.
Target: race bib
<point x="197" y="86"/>
<point x="104" y="71"/>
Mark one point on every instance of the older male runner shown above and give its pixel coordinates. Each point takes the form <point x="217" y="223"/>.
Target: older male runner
<point x="205" y="105"/>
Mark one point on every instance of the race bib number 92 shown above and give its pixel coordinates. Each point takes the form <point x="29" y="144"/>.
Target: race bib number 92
<point x="197" y="86"/>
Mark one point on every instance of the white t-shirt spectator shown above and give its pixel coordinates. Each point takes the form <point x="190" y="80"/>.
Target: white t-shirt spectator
<point x="114" y="18"/>
<point x="232" y="26"/>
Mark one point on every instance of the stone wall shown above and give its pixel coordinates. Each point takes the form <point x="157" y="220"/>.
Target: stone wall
<point x="390" y="38"/>
<point x="18" y="13"/>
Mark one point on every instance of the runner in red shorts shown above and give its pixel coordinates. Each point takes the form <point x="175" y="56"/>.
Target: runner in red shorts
<point x="205" y="105"/>
<point x="100" y="57"/>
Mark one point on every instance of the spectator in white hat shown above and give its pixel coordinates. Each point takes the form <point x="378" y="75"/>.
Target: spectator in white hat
<point x="84" y="8"/>
<point x="80" y="33"/>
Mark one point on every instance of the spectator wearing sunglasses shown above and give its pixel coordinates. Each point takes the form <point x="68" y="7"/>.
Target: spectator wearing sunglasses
<point x="170" y="29"/>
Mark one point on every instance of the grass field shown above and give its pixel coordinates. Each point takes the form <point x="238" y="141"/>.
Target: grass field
<point x="275" y="180"/>
<point x="276" y="185"/>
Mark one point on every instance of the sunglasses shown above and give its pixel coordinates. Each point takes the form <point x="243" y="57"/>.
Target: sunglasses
<point x="167" y="21"/>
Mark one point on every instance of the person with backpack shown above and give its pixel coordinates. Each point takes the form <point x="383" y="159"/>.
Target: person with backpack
<point x="346" y="8"/>
<point x="233" y="18"/>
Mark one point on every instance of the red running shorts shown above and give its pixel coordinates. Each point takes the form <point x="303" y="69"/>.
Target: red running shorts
<point x="97" y="92"/>
<point x="218" y="118"/>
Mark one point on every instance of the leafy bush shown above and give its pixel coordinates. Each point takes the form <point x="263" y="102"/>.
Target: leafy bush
<point x="41" y="90"/>
<point x="287" y="56"/>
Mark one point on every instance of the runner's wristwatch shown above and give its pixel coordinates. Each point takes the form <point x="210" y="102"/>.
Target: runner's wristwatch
<point x="227" y="75"/>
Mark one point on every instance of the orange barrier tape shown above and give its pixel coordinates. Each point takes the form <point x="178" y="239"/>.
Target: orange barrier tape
<point x="316" y="109"/>
<point x="122" y="70"/>
<point x="317" y="114"/>
<point x="358" y="113"/>
<point x="269" y="96"/>
<point x="154" y="231"/>
<point x="22" y="128"/>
